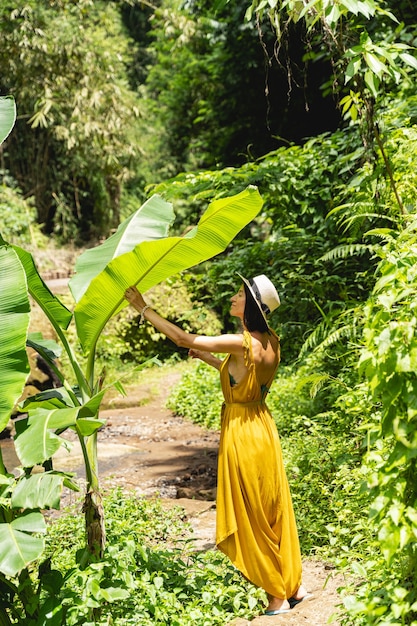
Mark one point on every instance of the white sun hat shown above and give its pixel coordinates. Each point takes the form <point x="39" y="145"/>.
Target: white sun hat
<point x="263" y="292"/>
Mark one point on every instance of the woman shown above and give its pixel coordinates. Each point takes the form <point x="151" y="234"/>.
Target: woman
<point x="255" y="524"/>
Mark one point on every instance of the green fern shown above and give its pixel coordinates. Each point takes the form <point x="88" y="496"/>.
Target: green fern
<point x="333" y="330"/>
<point x="316" y="382"/>
<point x="352" y="212"/>
<point x="348" y="250"/>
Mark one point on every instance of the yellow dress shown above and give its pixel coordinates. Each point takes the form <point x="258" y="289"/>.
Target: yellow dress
<point x="255" y="524"/>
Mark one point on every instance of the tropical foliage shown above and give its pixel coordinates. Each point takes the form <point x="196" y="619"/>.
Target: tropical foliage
<point x="387" y="361"/>
<point x="77" y="110"/>
<point x="141" y="580"/>
<point x="125" y="102"/>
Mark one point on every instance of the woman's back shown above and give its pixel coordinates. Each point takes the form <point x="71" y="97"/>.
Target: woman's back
<point x="266" y="355"/>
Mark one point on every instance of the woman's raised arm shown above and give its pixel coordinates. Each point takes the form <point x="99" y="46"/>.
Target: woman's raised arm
<point x="230" y="343"/>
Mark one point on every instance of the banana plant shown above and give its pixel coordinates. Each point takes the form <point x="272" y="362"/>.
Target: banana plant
<point x="142" y="253"/>
<point x="14" y="366"/>
<point x="22" y="524"/>
<point x="7" y="116"/>
<point x="100" y="294"/>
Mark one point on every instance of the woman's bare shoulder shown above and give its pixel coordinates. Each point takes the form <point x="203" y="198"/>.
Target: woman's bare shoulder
<point x="264" y="346"/>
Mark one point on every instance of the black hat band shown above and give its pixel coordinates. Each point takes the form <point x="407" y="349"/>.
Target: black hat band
<point x="265" y="307"/>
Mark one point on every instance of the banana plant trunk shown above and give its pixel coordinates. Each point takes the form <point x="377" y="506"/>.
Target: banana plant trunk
<point x="93" y="502"/>
<point x="94" y="524"/>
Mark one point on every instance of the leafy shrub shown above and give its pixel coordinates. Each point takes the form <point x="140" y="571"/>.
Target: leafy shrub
<point x="322" y="468"/>
<point x="18" y="218"/>
<point x="150" y="573"/>
<point x="323" y="442"/>
<point x="386" y="592"/>
<point x="288" y="404"/>
<point x="198" y="396"/>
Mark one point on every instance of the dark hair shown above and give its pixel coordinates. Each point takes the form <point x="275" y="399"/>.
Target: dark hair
<point x="252" y="316"/>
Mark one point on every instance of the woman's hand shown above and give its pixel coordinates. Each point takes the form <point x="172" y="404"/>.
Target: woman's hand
<point x="135" y="298"/>
<point x="206" y="357"/>
<point x="197" y="354"/>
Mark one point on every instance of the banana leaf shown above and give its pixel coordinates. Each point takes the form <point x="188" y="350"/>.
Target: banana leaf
<point x="151" y="262"/>
<point x="38" y="491"/>
<point x="14" y="322"/>
<point x="36" y="441"/>
<point x="40" y="292"/>
<point x="49" y="399"/>
<point x="7" y="116"/>
<point x="48" y="348"/>
<point x="18" y="547"/>
<point x="151" y="221"/>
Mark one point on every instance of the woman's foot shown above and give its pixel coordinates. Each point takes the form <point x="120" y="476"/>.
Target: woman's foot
<point x="302" y="591"/>
<point x="302" y="594"/>
<point x="277" y="606"/>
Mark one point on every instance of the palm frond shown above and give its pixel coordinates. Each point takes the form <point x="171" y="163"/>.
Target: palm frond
<point x="332" y="331"/>
<point x="386" y="234"/>
<point x="358" y="210"/>
<point x="348" y="250"/>
<point x="315" y="337"/>
<point x="316" y="382"/>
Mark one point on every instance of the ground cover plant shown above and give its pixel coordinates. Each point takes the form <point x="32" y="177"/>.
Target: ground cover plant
<point x="150" y="572"/>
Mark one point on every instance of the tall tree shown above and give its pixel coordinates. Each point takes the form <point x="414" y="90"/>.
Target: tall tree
<point x="65" y="63"/>
<point x="217" y="98"/>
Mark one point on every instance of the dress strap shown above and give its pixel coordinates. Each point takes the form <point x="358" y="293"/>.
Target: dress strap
<point x="247" y="348"/>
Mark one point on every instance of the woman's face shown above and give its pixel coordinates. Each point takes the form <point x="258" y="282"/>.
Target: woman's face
<point x="238" y="303"/>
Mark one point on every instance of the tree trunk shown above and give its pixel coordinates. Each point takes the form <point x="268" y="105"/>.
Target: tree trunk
<point x="94" y="524"/>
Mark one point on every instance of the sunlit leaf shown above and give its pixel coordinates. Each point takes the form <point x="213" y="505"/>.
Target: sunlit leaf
<point x="372" y="82"/>
<point x="38" y="491"/>
<point x="409" y="59"/>
<point x="18" y="546"/>
<point x="151" y="262"/>
<point x="7" y="116"/>
<point x="89" y="425"/>
<point x="375" y="65"/>
<point x="39" y="291"/>
<point x="51" y="348"/>
<point x="151" y="221"/>
<point x="14" y="322"/>
<point x="35" y="441"/>
<point x="48" y="399"/>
